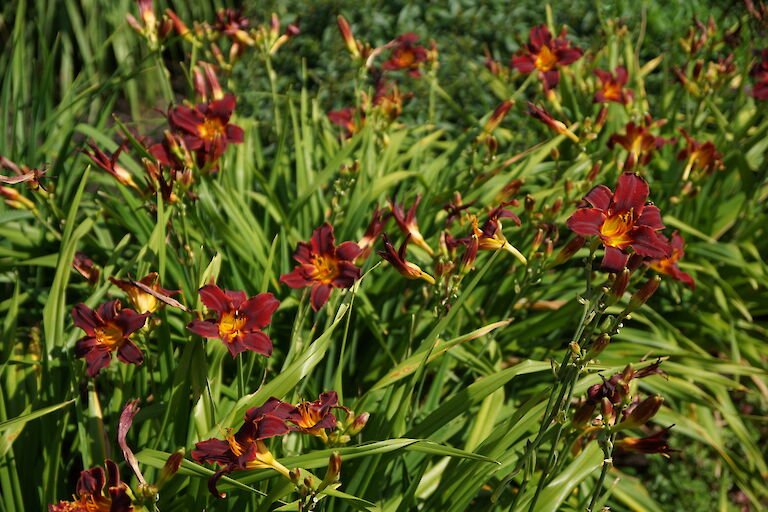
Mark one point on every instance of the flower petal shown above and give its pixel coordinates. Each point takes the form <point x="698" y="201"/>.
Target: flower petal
<point x="130" y="321"/>
<point x="614" y="260"/>
<point x="348" y="251"/>
<point x="258" y="342"/>
<point x="215" y="299"/>
<point x="95" y="360"/>
<point x="650" y="217"/>
<point x="258" y="311"/>
<point x="323" y="240"/>
<point x="212" y="450"/>
<point x="586" y="221"/>
<point x="646" y="243"/>
<point x="86" y="318"/>
<point x="631" y="192"/>
<point x="129" y="353"/>
<point x="297" y="278"/>
<point x="204" y="328"/>
<point x="599" y="197"/>
<point x="319" y="296"/>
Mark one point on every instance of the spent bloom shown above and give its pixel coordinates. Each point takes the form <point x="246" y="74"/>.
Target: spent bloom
<point x="622" y="220"/>
<point x="323" y="265"/>
<point x="668" y="265"/>
<point x="545" y="55"/>
<point x="408" y="224"/>
<point x="240" y="319"/>
<point x="205" y="127"/>
<point x="612" y="87"/>
<point x="107" y="330"/>
<point x="397" y="260"/>
<point x="109" y="164"/>
<point x="91" y="495"/>
<point x="406" y="55"/>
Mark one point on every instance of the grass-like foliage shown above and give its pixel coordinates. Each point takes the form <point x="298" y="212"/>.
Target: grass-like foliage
<point x="383" y="256"/>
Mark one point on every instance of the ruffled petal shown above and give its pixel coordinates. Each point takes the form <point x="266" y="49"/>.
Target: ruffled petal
<point x="323" y="240"/>
<point x="258" y="310"/>
<point x="650" y="217"/>
<point x="320" y="295"/>
<point x="631" y="193"/>
<point x="599" y="197"/>
<point x="215" y="299"/>
<point x="86" y="319"/>
<point x="586" y="221"/>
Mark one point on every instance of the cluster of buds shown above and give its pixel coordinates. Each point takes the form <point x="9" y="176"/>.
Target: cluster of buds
<point x="155" y="30"/>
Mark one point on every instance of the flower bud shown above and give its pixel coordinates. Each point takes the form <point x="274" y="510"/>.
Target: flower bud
<point x="598" y="346"/>
<point x="618" y="287"/>
<point x="171" y="466"/>
<point x="346" y="34"/>
<point x="594" y="171"/>
<point x="583" y="415"/>
<point x="642" y="295"/>
<point x="498" y="116"/>
<point x="607" y="411"/>
<point x="642" y="412"/>
<point x="567" y="252"/>
<point x="529" y="203"/>
<point x="358" y="424"/>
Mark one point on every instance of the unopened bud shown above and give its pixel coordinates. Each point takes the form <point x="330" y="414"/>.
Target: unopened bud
<point x="642" y="295"/>
<point x="171" y="466"/>
<point x="538" y="238"/>
<point x="583" y="415"/>
<point x="643" y="412"/>
<point x="556" y="206"/>
<point x="529" y="203"/>
<point x="598" y="346"/>
<point x="295" y="475"/>
<point x="358" y="424"/>
<point x="346" y="34"/>
<point x="568" y="186"/>
<point x="555" y="154"/>
<point x="571" y="248"/>
<point x="594" y="171"/>
<point x="549" y="247"/>
<point x="334" y="468"/>
<point x="497" y="116"/>
<point x="492" y="144"/>
<point x="607" y="411"/>
<point x="601" y="117"/>
<point x="618" y="287"/>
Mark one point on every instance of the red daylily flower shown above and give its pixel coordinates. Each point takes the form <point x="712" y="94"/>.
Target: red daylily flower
<point x="639" y="142"/>
<point x="397" y="260"/>
<point x="406" y="55"/>
<point x="323" y="265"/>
<point x="91" y="496"/>
<point x="206" y="128"/>
<point x="612" y="87"/>
<point x="616" y="389"/>
<point x="246" y="449"/>
<point x="490" y="236"/>
<point x="348" y="118"/>
<point x="545" y="55"/>
<point x="142" y="301"/>
<point x="760" y="73"/>
<point x="621" y="220"/>
<point x="545" y="117"/>
<point x="241" y="319"/>
<point x="651" y="444"/>
<point x="107" y="330"/>
<point x="388" y="100"/>
<point x="314" y="418"/>
<point x="86" y="267"/>
<point x="668" y="265"/>
<point x="109" y="164"/>
<point x="701" y="156"/>
<point x="372" y="232"/>
<point x="408" y="224"/>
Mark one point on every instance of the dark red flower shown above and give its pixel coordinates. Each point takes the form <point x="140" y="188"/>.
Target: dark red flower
<point x="91" y="496"/>
<point x="397" y="260"/>
<point x="240" y="319"/>
<point x="622" y="220"/>
<point x="323" y="265"/>
<point x="246" y="449"/>
<point x="406" y="55"/>
<point x="206" y="128"/>
<point x="408" y="224"/>
<point x="349" y="118"/>
<point x="668" y="265"/>
<point x="639" y="142"/>
<point x="315" y="417"/>
<point x="555" y="125"/>
<point x="546" y="55"/>
<point x="490" y="236"/>
<point x="612" y="87"/>
<point x="760" y="73"/>
<point x="109" y="164"/>
<point x="107" y="330"/>
<point x="701" y="156"/>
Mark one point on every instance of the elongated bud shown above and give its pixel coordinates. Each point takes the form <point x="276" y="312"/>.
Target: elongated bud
<point x="583" y="415"/>
<point x="15" y="200"/>
<point x="358" y="424"/>
<point x="598" y="346"/>
<point x="199" y="82"/>
<point x="529" y="203"/>
<point x="538" y="238"/>
<point x="334" y="468"/>
<point x="642" y="295"/>
<point x="556" y="206"/>
<point x="618" y="287"/>
<point x="180" y="27"/>
<point x="498" y="116"/>
<point x="468" y="258"/>
<point x="607" y="411"/>
<point x="601" y="117"/>
<point x="594" y="171"/>
<point x="567" y="252"/>
<point x="642" y="412"/>
<point x="294" y="475"/>
<point x="346" y="34"/>
<point x="171" y="466"/>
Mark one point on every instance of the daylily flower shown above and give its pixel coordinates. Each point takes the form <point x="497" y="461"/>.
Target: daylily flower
<point x="612" y="87"/>
<point x="397" y="260"/>
<point x="91" y="496"/>
<point x="490" y="236"/>
<point x="406" y="55"/>
<point x="246" y="449"/>
<point x="622" y="220"/>
<point x="323" y="265"/>
<point x="668" y="265"/>
<point x="314" y="418"/>
<point x="545" y="55"/>
<point x="240" y="319"/>
<point x="142" y="301"/>
<point x="107" y="330"/>
<point x="651" y="444"/>
<point x="388" y="100"/>
<point x="110" y="164"/>
<point x="545" y="117"/>
<point x="234" y="25"/>
<point x="206" y="128"/>
<point x="639" y="142"/>
<point x="408" y="224"/>
<point x="701" y="156"/>
<point x="760" y="73"/>
<point x="349" y="118"/>
<point x="616" y="389"/>
<point x="85" y="267"/>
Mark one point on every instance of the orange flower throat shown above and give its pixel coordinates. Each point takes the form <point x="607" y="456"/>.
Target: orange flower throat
<point x="110" y="335"/>
<point x="230" y="325"/>
<point x="546" y="59"/>
<point x="615" y="230"/>
<point x="211" y="128"/>
<point x="326" y="269"/>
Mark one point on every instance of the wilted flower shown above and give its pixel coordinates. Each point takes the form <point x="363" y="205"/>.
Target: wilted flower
<point x="546" y="55"/>
<point x="323" y="265"/>
<point x="612" y="87"/>
<point x="621" y="220"/>
<point x="110" y="164"/>
<point x="206" y="128"/>
<point x="85" y="267"/>
<point x="397" y="260"/>
<point x="142" y="301"/>
<point x="107" y="330"/>
<point x="246" y="449"/>
<point x="545" y="117"/>
<point x="349" y="118"/>
<point x="651" y="444"/>
<point x="406" y="55"/>
<point x="455" y="208"/>
<point x="668" y="265"/>
<point x="701" y="156"/>
<point x="408" y="224"/>
<point x="240" y="319"/>
<point x="91" y="496"/>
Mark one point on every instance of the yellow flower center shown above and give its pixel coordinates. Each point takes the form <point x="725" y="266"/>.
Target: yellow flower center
<point x="308" y="419"/>
<point x="612" y="91"/>
<point x="110" y="335"/>
<point x="233" y="444"/>
<point x="326" y="269"/>
<point x="211" y="128"/>
<point x="230" y="324"/>
<point x="615" y="229"/>
<point x="546" y="59"/>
